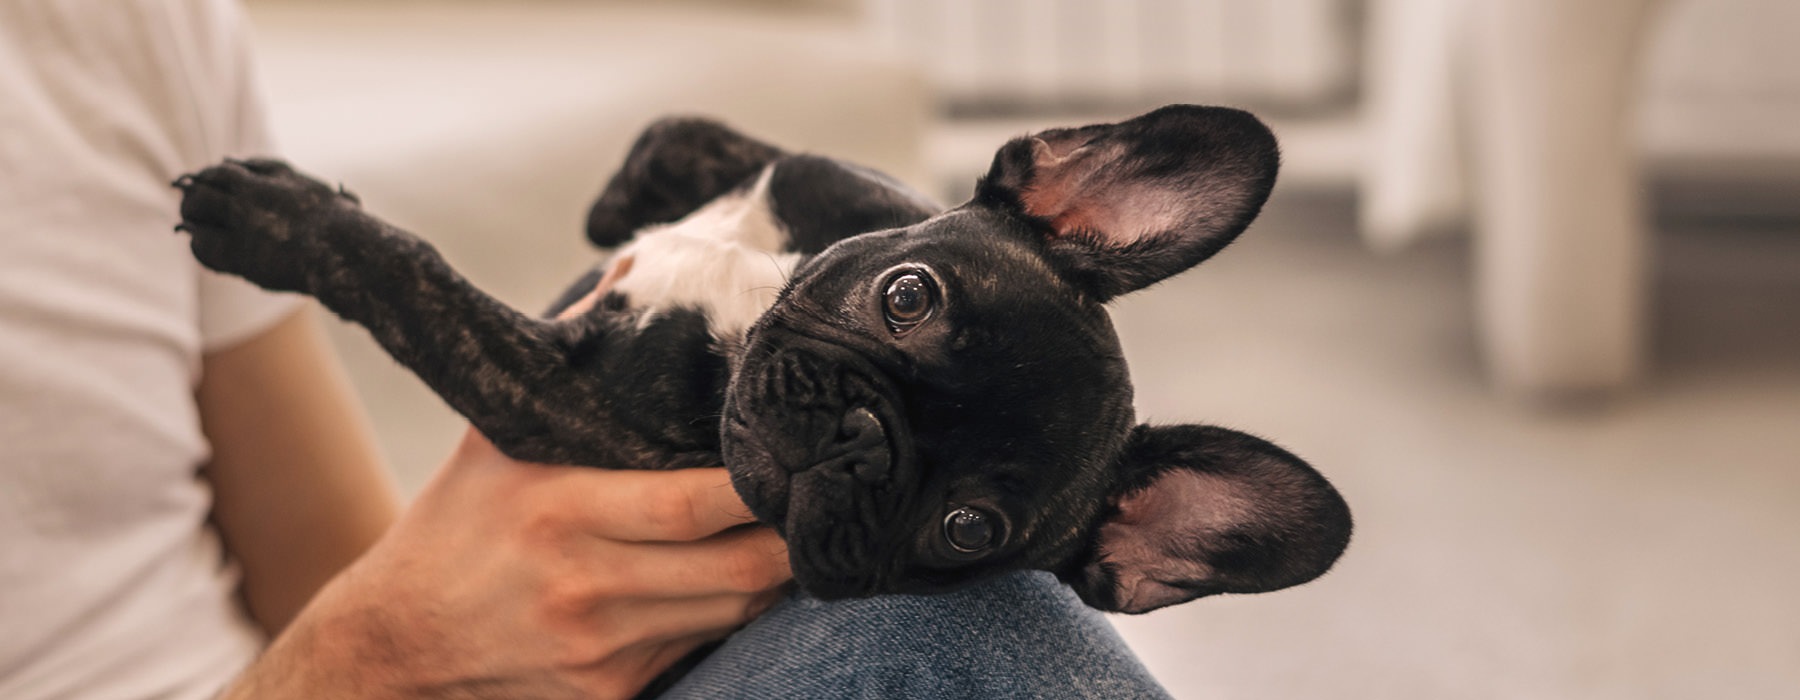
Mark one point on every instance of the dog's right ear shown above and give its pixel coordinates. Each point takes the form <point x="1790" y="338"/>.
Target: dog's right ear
<point x="677" y="165"/>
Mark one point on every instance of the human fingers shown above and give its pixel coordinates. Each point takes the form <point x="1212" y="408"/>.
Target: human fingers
<point x="747" y="560"/>
<point x="616" y="272"/>
<point x="650" y="506"/>
<point x="613" y="504"/>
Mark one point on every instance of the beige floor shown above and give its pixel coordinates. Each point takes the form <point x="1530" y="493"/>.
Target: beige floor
<point x="1642" y="547"/>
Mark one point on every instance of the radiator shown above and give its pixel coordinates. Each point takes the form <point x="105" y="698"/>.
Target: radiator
<point x="1013" y="55"/>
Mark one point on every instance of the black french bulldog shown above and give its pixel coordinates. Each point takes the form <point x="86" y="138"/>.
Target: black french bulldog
<point x="916" y="399"/>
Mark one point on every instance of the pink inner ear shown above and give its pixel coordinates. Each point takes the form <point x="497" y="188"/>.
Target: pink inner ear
<point x="1073" y="188"/>
<point x="1152" y="540"/>
<point x="1054" y="181"/>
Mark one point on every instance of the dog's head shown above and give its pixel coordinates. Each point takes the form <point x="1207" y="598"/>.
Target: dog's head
<point x="932" y="405"/>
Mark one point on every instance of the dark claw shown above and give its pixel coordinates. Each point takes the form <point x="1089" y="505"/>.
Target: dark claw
<point x="183" y="183"/>
<point x="181" y="228"/>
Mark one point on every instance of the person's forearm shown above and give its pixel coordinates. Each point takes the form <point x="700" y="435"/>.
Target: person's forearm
<point x="283" y="672"/>
<point x="315" y="658"/>
<point x="299" y="488"/>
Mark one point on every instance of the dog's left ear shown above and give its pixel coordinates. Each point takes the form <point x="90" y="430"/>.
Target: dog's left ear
<point x="1203" y="510"/>
<point x="1125" y="205"/>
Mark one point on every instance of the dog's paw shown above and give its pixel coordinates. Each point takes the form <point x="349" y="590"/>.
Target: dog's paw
<point x="261" y="220"/>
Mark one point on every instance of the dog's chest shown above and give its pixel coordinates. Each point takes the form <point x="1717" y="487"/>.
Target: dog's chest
<point x="726" y="260"/>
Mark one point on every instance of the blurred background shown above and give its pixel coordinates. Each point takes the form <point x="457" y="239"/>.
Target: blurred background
<point x="1528" y="291"/>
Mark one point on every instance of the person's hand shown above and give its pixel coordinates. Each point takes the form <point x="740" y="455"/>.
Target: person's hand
<point x="515" y="580"/>
<point x="507" y="579"/>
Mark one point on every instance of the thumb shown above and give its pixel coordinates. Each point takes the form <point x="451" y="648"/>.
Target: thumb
<point x="474" y="454"/>
<point x="474" y="447"/>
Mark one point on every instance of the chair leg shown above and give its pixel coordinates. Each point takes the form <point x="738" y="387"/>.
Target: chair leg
<point x="1561" y="240"/>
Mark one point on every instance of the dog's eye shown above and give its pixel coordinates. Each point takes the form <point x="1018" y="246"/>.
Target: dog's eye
<point x="971" y="530"/>
<point x="909" y="300"/>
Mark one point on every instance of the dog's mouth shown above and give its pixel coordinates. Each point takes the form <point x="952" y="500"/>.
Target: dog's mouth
<point x="819" y="447"/>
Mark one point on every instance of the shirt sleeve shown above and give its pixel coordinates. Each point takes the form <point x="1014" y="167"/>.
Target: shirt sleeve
<point x="232" y="310"/>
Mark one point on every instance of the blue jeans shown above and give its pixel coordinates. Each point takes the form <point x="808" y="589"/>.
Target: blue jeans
<point x="1022" y="636"/>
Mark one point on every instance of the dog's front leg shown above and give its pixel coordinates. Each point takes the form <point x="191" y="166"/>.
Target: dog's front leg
<point x="508" y="373"/>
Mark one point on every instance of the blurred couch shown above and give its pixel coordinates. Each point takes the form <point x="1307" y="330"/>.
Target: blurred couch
<point x="1542" y="126"/>
<point x="1538" y="125"/>
<point x="487" y="127"/>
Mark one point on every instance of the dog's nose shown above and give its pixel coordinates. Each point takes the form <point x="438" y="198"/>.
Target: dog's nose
<point x="861" y="427"/>
<point x="859" y="449"/>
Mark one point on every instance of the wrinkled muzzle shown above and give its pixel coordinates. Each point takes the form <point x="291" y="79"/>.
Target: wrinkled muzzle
<point x="818" y="447"/>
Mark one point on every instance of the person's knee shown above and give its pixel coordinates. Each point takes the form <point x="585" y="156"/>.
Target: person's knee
<point x="1023" y="635"/>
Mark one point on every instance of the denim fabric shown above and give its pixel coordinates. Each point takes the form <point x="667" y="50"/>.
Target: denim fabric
<point x="1022" y="636"/>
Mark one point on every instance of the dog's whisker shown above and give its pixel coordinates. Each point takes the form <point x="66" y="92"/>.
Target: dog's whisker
<point x="787" y="275"/>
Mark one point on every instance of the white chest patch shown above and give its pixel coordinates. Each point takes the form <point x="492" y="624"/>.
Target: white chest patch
<point x="724" y="259"/>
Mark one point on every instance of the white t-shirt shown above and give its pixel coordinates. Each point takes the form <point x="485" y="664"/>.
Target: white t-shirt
<point x="112" y="582"/>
